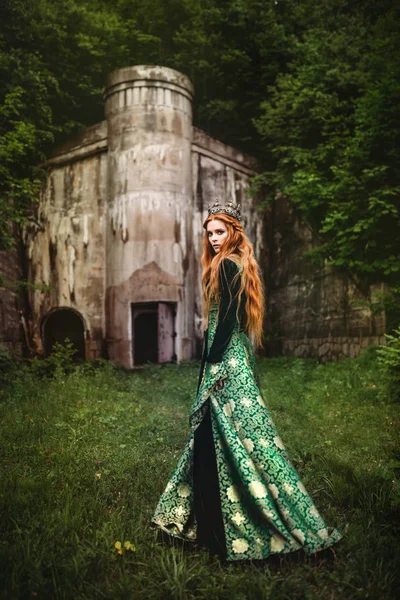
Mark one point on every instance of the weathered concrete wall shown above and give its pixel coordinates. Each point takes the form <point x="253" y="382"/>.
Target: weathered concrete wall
<point x="312" y="312"/>
<point x="11" y="336"/>
<point x="149" y="116"/>
<point x="65" y="247"/>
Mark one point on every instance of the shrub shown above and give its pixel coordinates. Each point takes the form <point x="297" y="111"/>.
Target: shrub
<point x="59" y="362"/>
<point x="8" y="364"/>
<point x="389" y="362"/>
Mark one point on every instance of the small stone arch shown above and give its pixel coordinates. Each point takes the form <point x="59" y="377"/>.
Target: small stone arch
<point x="61" y="323"/>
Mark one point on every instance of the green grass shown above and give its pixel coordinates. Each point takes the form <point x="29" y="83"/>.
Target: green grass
<point x="86" y="455"/>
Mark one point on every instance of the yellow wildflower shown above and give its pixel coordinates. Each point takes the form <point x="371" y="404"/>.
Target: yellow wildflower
<point x="129" y="546"/>
<point x="118" y="547"/>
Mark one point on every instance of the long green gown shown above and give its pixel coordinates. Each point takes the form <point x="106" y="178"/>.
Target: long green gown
<point x="263" y="505"/>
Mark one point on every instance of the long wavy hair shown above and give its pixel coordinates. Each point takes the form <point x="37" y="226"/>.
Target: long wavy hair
<point x="238" y="248"/>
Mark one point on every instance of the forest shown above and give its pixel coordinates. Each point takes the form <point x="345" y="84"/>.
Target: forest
<point x="309" y="87"/>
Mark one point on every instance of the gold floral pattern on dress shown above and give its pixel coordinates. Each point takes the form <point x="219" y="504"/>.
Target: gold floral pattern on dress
<point x="301" y="487"/>
<point x="260" y="400"/>
<point x="288" y="518"/>
<point x="258" y="489"/>
<point x="277" y="543"/>
<point x="288" y="489"/>
<point x="179" y="511"/>
<point x="273" y="489"/>
<point x="278" y="442"/>
<point x="233" y="493"/>
<point x="264" y="442"/>
<point x="227" y="409"/>
<point x="214" y="369"/>
<point x="240" y="546"/>
<point x="246" y="402"/>
<point x="299" y="534"/>
<point x="323" y="533"/>
<point x="248" y="444"/>
<point x="238" y="518"/>
<point x="183" y="490"/>
<point x="262" y="495"/>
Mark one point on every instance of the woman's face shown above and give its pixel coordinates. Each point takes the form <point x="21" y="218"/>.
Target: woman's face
<point x="217" y="234"/>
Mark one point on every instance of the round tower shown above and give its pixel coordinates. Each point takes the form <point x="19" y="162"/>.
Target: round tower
<point x="149" y="250"/>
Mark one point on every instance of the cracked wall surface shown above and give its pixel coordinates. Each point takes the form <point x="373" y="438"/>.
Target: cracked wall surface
<point x="313" y="311"/>
<point x="66" y="250"/>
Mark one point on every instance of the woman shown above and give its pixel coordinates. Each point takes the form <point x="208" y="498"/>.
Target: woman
<point x="234" y="489"/>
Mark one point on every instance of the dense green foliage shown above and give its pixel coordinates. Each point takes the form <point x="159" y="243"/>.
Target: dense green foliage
<point x="309" y="87"/>
<point x="85" y="454"/>
<point x="331" y="122"/>
<point x="389" y="361"/>
<point x="53" y="58"/>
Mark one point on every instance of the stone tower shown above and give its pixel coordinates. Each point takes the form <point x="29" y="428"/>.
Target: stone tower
<point x="149" y="249"/>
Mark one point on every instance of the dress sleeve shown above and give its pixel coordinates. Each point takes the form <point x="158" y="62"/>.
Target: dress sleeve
<point x="229" y="289"/>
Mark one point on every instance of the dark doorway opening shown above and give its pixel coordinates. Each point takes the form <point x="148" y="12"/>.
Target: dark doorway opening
<point x="153" y="332"/>
<point x="60" y="324"/>
<point x="145" y="332"/>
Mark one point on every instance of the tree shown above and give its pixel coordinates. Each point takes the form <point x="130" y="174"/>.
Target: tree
<point x="53" y="56"/>
<point x="332" y="127"/>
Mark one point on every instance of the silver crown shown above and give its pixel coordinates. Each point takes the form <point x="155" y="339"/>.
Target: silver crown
<point x="228" y="209"/>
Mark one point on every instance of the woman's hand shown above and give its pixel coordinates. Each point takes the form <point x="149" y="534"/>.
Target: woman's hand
<point x="219" y="385"/>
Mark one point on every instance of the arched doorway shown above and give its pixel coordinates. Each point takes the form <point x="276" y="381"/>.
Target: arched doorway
<point x="60" y="324"/>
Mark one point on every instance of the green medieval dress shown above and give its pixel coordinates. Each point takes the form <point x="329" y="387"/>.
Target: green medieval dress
<point x="234" y="488"/>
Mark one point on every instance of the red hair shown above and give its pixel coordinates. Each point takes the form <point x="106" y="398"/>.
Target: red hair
<point x="238" y="248"/>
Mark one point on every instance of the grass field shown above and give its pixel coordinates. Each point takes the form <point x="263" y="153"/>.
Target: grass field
<point x="86" y="455"/>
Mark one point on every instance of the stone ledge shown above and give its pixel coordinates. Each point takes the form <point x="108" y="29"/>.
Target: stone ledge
<point x="149" y="73"/>
<point x="329" y="349"/>
<point x="208" y="146"/>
